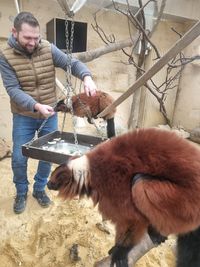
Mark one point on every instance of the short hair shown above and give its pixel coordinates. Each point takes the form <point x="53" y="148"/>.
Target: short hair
<point x="25" y="17"/>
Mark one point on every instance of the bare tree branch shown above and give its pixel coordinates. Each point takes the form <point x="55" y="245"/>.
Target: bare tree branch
<point x="142" y="7"/>
<point x="137" y="21"/>
<point x="93" y="54"/>
<point x="141" y="28"/>
<point x="106" y="39"/>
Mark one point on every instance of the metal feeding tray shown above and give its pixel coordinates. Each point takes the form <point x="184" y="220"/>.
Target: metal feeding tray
<point x="58" y="147"/>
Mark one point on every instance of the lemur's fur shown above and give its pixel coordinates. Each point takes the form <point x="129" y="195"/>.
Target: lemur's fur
<point x="141" y="179"/>
<point x="90" y="107"/>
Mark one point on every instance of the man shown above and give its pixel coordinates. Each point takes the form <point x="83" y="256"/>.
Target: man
<point x="27" y="66"/>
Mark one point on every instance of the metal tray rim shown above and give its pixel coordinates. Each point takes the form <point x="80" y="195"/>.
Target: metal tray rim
<point x="33" y="149"/>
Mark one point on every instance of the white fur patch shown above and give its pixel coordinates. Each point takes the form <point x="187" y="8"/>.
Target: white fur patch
<point x="80" y="170"/>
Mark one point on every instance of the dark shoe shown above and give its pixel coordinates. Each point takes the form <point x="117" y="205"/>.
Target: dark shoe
<point x="42" y="198"/>
<point x="20" y="203"/>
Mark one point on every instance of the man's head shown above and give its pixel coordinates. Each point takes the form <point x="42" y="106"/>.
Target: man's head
<point x="26" y="30"/>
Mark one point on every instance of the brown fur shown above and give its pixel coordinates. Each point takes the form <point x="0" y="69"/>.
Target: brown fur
<point x="168" y="198"/>
<point x="89" y="106"/>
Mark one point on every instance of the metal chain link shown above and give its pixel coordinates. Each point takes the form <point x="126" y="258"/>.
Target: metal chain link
<point x="40" y="128"/>
<point x="68" y="75"/>
<point x="37" y="133"/>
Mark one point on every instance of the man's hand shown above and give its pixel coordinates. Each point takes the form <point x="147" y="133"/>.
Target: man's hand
<point x="89" y="86"/>
<point x="45" y="110"/>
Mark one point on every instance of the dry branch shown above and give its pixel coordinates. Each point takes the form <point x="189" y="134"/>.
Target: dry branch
<point x="109" y="48"/>
<point x="192" y="34"/>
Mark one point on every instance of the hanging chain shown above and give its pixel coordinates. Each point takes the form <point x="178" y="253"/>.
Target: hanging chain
<point x="69" y="88"/>
<point x="39" y="129"/>
<point x="37" y="132"/>
<point x="68" y="74"/>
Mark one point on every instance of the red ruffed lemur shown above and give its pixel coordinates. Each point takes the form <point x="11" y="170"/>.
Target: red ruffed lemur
<point x="90" y="107"/>
<point x="141" y="180"/>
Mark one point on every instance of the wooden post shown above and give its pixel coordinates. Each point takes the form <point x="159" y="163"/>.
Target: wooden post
<point x="192" y="34"/>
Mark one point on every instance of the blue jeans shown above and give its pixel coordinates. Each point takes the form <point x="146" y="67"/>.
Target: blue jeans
<point x="24" y="129"/>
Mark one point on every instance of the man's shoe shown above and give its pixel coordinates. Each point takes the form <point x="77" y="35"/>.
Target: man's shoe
<point x="42" y="198"/>
<point x="20" y="203"/>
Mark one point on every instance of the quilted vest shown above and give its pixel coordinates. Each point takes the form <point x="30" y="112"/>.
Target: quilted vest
<point x="36" y="75"/>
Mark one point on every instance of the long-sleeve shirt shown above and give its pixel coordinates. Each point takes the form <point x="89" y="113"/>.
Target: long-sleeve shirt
<point x="12" y="85"/>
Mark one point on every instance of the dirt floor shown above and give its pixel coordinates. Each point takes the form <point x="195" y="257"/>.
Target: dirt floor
<point x="51" y="237"/>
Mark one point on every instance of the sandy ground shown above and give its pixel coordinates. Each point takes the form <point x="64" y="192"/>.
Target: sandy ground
<point x="43" y="237"/>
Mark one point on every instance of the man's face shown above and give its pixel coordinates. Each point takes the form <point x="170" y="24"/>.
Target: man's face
<point x="28" y="37"/>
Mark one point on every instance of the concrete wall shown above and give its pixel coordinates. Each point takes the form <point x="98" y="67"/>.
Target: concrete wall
<point x="5" y="114"/>
<point x="187" y="108"/>
<point x="183" y="9"/>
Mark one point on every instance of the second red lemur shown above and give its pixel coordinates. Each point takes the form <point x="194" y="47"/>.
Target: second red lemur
<point x="141" y="179"/>
<point x="90" y="107"/>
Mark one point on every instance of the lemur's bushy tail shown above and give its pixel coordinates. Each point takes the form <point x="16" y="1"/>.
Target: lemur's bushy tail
<point x="188" y="249"/>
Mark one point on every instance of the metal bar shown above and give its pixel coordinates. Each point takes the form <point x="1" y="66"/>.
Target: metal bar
<point x="61" y="87"/>
<point x="78" y="4"/>
<point x="36" y="148"/>
<point x="65" y="7"/>
<point x="17" y="6"/>
<point x="188" y="37"/>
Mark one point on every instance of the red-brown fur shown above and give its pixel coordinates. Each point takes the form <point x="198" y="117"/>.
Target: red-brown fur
<point x="89" y="106"/>
<point x="169" y="200"/>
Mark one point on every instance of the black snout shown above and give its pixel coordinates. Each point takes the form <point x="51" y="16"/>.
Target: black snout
<point x="52" y="186"/>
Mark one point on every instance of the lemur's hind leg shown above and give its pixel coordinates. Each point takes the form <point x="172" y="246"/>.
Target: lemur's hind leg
<point x="155" y="236"/>
<point x="119" y="256"/>
<point x="110" y="128"/>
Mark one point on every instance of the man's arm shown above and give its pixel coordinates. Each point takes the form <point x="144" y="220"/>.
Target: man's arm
<point x="13" y="87"/>
<point x="62" y="60"/>
<point x="78" y="69"/>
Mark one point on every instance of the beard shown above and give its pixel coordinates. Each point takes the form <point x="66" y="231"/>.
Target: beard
<point x="29" y="49"/>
